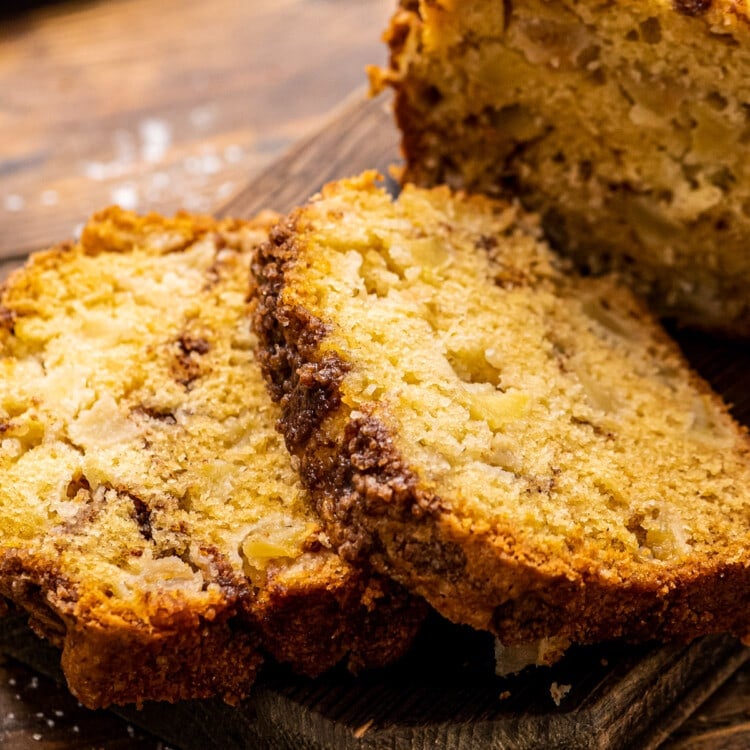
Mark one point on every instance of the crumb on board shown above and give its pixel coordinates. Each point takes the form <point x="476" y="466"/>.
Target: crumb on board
<point x="362" y="730"/>
<point x="558" y="692"/>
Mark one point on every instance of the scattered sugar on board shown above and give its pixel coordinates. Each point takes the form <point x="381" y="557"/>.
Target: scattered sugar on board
<point x="125" y="146"/>
<point x="156" y="138"/>
<point x="48" y="198"/>
<point x="233" y="153"/>
<point x="125" y="195"/>
<point x="14" y="202"/>
<point x="225" y="190"/>
<point x="206" y="163"/>
<point x="202" y="117"/>
<point x="100" y="171"/>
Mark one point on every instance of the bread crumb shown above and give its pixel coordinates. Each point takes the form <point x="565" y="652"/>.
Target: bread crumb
<point x="504" y="695"/>
<point x="558" y="692"/>
<point x="360" y="732"/>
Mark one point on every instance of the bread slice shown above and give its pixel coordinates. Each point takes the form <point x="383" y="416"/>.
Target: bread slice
<point x="625" y="126"/>
<point x="522" y="446"/>
<point x="151" y="522"/>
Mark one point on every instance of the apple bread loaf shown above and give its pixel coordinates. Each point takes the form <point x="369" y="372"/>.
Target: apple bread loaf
<point x="151" y="522"/>
<point x="626" y="126"/>
<point x="522" y="446"/>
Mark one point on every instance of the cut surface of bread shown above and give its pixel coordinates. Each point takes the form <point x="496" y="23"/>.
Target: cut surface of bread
<point x="522" y="446"/>
<point x="151" y="522"/>
<point x="626" y="126"/>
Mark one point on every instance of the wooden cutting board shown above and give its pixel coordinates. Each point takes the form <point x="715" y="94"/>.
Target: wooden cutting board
<point x="444" y="694"/>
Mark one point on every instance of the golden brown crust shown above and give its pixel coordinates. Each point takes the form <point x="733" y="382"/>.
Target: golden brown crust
<point x="377" y="509"/>
<point x="346" y="615"/>
<point x="170" y="641"/>
<point x="110" y="659"/>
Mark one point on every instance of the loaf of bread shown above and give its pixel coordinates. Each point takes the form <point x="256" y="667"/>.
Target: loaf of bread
<point x="522" y="446"/>
<point x="151" y="522"/>
<point x="626" y="126"/>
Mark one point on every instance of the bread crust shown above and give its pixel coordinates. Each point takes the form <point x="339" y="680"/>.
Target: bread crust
<point x="376" y="508"/>
<point x="313" y="611"/>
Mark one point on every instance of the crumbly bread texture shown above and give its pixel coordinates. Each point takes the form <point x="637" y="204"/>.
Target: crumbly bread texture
<point x="626" y="126"/>
<point x="151" y="522"/>
<point x="522" y="446"/>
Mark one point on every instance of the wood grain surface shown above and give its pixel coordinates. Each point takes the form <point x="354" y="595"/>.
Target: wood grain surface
<point x="163" y="104"/>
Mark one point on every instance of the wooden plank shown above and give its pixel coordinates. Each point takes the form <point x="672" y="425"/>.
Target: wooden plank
<point x="721" y="722"/>
<point x="361" y="136"/>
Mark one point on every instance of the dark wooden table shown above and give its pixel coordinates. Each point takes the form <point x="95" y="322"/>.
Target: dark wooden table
<point x="163" y="104"/>
<point x="167" y="104"/>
